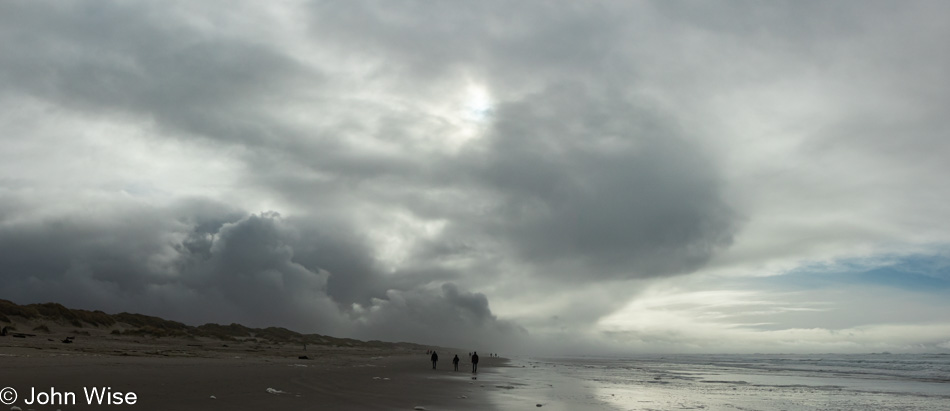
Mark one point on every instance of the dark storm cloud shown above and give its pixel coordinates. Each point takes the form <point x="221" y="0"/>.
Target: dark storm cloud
<point x="198" y="261"/>
<point x="143" y="60"/>
<point x="581" y="171"/>
<point x="105" y="257"/>
<point x="187" y="262"/>
<point x="576" y="176"/>
<point x="460" y="319"/>
<point x="585" y="184"/>
<point x="584" y="176"/>
<point x="161" y="260"/>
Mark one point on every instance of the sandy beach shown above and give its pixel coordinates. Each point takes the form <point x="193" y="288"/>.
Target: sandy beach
<point x="53" y="358"/>
<point x="188" y="374"/>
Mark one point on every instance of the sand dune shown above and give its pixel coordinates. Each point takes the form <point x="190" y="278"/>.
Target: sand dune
<point x="200" y="373"/>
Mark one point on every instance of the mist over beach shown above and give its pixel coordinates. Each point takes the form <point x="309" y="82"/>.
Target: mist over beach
<point x="198" y="188"/>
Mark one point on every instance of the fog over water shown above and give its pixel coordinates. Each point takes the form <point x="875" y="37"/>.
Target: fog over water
<point x="531" y="177"/>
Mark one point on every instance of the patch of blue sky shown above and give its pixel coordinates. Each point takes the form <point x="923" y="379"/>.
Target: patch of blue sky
<point x="911" y="272"/>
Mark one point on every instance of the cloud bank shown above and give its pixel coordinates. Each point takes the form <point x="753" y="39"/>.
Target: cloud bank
<point x="483" y="174"/>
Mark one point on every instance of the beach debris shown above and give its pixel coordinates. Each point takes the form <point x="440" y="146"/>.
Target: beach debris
<point x="462" y="396"/>
<point x="538" y="405"/>
<point x="507" y="387"/>
<point x="385" y="378"/>
<point x="275" y="392"/>
<point x="213" y="397"/>
<point x="303" y="357"/>
<point x="419" y="407"/>
<point x="377" y="378"/>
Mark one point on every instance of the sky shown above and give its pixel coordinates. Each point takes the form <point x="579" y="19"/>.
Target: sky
<point x="551" y="177"/>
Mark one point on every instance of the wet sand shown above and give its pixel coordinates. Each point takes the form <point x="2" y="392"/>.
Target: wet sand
<point x="184" y="374"/>
<point x="792" y="382"/>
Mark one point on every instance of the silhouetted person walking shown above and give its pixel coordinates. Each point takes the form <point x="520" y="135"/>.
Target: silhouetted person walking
<point x="455" y="362"/>
<point x="435" y="359"/>
<point x="475" y="362"/>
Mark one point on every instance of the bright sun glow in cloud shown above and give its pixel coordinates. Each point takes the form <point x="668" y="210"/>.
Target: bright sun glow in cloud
<point x="478" y="103"/>
<point x="466" y="116"/>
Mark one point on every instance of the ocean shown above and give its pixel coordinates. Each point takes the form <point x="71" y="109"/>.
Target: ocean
<point x="727" y="382"/>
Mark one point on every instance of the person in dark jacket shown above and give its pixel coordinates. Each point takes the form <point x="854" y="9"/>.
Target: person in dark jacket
<point x="475" y="362"/>
<point x="455" y="361"/>
<point x="435" y="359"/>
